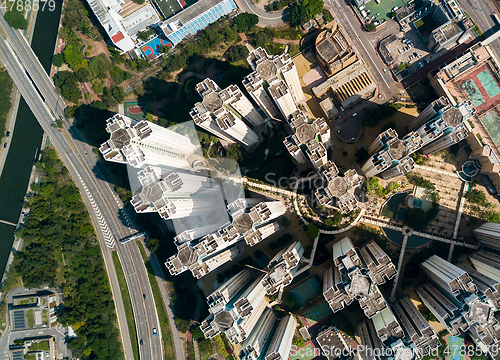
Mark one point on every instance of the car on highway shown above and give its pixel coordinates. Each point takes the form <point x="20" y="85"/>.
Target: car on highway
<point x="140" y="342"/>
<point x="385" y="70"/>
<point x="155" y="332"/>
<point x="379" y="95"/>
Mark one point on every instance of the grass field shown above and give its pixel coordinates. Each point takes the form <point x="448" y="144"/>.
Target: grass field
<point x="127" y="304"/>
<point x="166" y="332"/>
<point x="31" y="318"/>
<point x="43" y="346"/>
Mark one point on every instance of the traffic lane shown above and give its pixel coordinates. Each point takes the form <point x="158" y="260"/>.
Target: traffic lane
<point x="357" y="35"/>
<point x="147" y="323"/>
<point x="45" y="119"/>
<point x="147" y="296"/>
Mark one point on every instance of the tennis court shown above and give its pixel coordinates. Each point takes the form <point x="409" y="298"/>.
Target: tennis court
<point x="169" y="7"/>
<point x="491" y="122"/>
<point x="489" y="83"/>
<point x="152" y="48"/>
<point x="306" y="352"/>
<point x="316" y="314"/>
<point x="307" y="291"/>
<point x="455" y="344"/>
<point x="133" y="109"/>
<point x="472" y="92"/>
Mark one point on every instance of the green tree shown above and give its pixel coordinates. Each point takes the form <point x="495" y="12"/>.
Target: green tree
<point x="312" y="231"/>
<point x="297" y="15"/>
<point x="74" y="57"/>
<point x="83" y="74"/>
<point x="312" y="7"/>
<point x="402" y="66"/>
<point x="370" y="27"/>
<point x="245" y="22"/>
<point x="263" y="37"/>
<point x="327" y="15"/>
<point x="237" y="53"/>
<point x="58" y="60"/>
<point x="234" y="152"/>
<point x="16" y="19"/>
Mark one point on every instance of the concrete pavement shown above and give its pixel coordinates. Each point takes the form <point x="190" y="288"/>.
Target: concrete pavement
<point x="274" y="18"/>
<point x="97" y="193"/>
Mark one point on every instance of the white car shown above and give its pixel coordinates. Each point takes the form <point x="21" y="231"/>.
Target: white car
<point x="353" y="115"/>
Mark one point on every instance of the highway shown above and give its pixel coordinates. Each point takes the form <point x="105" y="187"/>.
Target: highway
<point x="104" y="206"/>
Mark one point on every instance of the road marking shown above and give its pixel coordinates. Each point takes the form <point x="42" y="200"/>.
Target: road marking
<point x="366" y="51"/>
<point x="263" y="17"/>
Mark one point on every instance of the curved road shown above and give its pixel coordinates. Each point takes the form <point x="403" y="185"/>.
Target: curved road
<point x="265" y="18"/>
<point x="108" y="215"/>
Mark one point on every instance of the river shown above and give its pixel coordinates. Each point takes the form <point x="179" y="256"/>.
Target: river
<point x="26" y="138"/>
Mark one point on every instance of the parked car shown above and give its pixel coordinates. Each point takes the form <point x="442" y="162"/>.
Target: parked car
<point x="4" y="145"/>
<point x="395" y="8"/>
<point x="353" y="115"/>
<point x="379" y="95"/>
<point x="385" y="70"/>
<point x="7" y="133"/>
<point x="140" y="342"/>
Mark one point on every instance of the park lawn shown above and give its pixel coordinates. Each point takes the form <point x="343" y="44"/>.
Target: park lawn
<point x="45" y="318"/>
<point x="166" y="331"/>
<point x="127" y="304"/>
<point x="41" y="346"/>
<point x="27" y="301"/>
<point x="31" y="318"/>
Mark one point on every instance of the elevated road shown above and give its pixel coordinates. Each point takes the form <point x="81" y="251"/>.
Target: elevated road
<point x="106" y="209"/>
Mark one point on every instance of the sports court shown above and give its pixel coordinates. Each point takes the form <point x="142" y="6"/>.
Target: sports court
<point x="491" y="122"/>
<point x="170" y="7"/>
<point x="307" y="291"/>
<point x="482" y="88"/>
<point x="306" y="352"/>
<point x="384" y="8"/>
<point x="152" y="48"/>
<point x="134" y="110"/>
<point x="316" y="314"/>
<point x="455" y="344"/>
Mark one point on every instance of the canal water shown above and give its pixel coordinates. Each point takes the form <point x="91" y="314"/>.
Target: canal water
<point x="26" y="138"/>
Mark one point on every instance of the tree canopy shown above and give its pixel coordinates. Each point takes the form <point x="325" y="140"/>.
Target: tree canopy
<point x="58" y="60"/>
<point x="304" y="10"/>
<point x="5" y="97"/>
<point x="16" y="19"/>
<point x="66" y="82"/>
<point x="59" y="223"/>
<point x="245" y="21"/>
<point x="74" y="57"/>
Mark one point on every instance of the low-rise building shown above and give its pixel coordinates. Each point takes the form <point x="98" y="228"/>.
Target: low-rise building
<point x="333" y="345"/>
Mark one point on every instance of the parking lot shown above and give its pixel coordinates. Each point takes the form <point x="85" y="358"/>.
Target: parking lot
<point x="384" y="9"/>
<point x="410" y="51"/>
